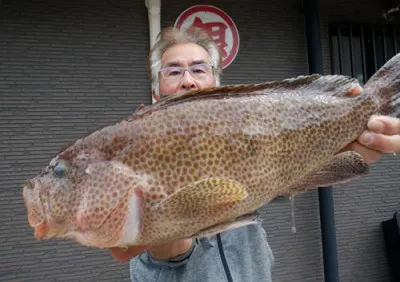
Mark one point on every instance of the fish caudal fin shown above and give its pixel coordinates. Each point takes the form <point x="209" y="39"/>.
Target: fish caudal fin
<point x="343" y="168"/>
<point x="385" y="86"/>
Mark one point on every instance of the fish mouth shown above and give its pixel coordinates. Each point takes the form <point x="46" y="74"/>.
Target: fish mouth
<point x="32" y="195"/>
<point x="41" y="230"/>
<point x="46" y="231"/>
<point x="33" y="204"/>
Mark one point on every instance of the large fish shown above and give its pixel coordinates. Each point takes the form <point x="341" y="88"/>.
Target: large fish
<point x="202" y="162"/>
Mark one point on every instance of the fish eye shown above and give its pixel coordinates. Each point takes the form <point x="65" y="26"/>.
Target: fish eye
<point x="60" y="170"/>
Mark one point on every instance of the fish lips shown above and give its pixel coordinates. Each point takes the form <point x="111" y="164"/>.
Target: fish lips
<point x="33" y="203"/>
<point x="36" y="210"/>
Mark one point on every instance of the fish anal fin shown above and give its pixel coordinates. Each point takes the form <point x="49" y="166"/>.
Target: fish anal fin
<point x="342" y="168"/>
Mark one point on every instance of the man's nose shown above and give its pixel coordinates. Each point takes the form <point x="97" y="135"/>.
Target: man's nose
<point x="187" y="81"/>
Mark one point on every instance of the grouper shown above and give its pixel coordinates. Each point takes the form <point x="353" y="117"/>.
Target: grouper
<point x="201" y="162"/>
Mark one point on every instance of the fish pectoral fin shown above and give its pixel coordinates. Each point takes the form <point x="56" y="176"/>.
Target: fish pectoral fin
<point x="342" y="168"/>
<point x="204" y="197"/>
<point x="241" y="221"/>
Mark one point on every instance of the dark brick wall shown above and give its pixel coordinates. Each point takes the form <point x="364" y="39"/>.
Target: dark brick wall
<point x="66" y="68"/>
<point x="362" y="205"/>
<point x="69" y="67"/>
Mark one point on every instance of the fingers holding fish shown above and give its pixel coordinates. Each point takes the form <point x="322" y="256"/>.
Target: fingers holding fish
<point x="384" y="124"/>
<point x="370" y="156"/>
<point x="383" y="135"/>
<point x="386" y="144"/>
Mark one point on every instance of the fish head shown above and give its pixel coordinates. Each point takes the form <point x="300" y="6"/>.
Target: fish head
<point x="77" y="194"/>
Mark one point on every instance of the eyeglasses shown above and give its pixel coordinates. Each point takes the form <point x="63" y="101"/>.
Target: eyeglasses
<point x="198" y="71"/>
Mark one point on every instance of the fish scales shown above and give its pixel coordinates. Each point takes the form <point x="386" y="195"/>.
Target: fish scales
<point x="195" y="163"/>
<point x="242" y="141"/>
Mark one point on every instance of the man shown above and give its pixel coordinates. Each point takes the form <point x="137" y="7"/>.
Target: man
<point x="183" y="61"/>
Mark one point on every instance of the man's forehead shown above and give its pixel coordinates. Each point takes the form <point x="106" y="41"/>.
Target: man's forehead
<point x="184" y="55"/>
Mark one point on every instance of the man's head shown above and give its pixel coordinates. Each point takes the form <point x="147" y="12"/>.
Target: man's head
<point x="176" y="51"/>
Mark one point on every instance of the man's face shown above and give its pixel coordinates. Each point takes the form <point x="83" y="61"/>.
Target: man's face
<point x="185" y="56"/>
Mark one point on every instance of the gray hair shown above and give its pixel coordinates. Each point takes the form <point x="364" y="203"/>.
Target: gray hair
<point x="171" y="36"/>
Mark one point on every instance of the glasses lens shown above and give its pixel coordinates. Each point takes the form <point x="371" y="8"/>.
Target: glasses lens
<point x="172" y="72"/>
<point x="200" y="70"/>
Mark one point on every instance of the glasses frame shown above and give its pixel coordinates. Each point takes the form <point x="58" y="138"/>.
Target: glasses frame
<point x="188" y="69"/>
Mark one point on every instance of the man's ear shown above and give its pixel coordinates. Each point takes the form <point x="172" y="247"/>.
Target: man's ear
<point x="155" y="96"/>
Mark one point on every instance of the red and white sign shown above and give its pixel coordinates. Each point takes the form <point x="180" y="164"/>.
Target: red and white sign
<point x="218" y="24"/>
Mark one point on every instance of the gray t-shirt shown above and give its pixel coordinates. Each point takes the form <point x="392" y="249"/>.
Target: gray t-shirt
<point x="241" y="254"/>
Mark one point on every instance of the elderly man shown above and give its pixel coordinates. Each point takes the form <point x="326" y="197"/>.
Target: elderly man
<point x="182" y="61"/>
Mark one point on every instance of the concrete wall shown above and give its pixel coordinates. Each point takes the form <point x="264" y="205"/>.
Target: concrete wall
<point x="69" y="67"/>
<point x="362" y="205"/>
<point x="66" y="68"/>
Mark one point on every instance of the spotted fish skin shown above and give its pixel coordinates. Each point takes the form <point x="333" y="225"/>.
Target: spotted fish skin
<point x="196" y="163"/>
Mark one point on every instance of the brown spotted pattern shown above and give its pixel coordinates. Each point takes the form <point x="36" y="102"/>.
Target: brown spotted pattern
<point x="113" y="226"/>
<point x="268" y="139"/>
<point x="240" y="139"/>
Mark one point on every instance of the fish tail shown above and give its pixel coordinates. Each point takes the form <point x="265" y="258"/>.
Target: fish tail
<point x="384" y="85"/>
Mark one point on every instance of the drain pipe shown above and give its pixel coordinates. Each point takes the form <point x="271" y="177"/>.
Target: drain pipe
<point x="154" y="12"/>
<point x="326" y="205"/>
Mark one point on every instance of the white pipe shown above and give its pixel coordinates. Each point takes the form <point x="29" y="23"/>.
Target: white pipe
<point x="154" y="8"/>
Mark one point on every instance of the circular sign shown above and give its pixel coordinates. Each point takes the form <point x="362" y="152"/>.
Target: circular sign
<point x="218" y="25"/>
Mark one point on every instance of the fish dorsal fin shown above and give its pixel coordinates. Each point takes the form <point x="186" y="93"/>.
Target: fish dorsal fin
<point x="315" y="84"/>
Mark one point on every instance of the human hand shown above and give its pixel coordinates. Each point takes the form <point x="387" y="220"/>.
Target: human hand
<point x="123" y="254"/>
<point x="161" y="252"/>
<point x="382" y="137"/>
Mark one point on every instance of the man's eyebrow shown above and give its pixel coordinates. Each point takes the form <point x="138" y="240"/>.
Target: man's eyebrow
<point x="173" y="64"/>
<point x="197" y="62"/>
<point x="178" y="64"/>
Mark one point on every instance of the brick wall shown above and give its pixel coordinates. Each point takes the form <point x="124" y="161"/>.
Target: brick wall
<point x="362" y="205"/>
<point x="69" y="67"/>
<point x="66" y="68"/>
